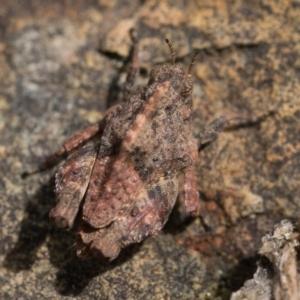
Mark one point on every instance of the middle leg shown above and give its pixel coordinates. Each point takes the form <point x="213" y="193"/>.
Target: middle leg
<point x="218" y="125"/>
<point x="134" y="67"/>
<point x="191" y="194"/>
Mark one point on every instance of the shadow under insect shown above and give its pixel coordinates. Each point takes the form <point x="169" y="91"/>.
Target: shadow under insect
<point x="73" y="273"/>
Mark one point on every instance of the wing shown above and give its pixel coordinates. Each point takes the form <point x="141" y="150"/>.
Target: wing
<point x="112" y="190"/>
<point x="148" y="215"/>
<point x="71" y="181"/>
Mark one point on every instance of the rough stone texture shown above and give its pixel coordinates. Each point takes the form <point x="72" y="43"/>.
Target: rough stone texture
<point x="276" y="275"/>
<point x="63" y="62"/>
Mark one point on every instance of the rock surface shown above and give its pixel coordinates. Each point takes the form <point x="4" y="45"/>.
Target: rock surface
<point x="276" y="275"/>
<point x="64" y="62"/>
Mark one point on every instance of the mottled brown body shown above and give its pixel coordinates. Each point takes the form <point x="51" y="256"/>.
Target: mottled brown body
<point x="123" y="177"/>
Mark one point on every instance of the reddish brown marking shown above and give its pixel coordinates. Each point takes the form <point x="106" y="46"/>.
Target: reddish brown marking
<point x="142" y="118"/>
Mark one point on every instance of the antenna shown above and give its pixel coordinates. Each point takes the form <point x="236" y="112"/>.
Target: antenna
<point x="192" y="63"/>
<point x="172" y="51"/>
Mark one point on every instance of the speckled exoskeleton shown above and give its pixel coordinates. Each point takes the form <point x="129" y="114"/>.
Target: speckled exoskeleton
<point x="123" y="175"/>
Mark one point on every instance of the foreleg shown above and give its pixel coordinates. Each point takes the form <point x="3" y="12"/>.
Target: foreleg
<point x="222" y="122"/>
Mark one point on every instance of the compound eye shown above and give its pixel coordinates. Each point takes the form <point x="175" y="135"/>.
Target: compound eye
<point x="154" y="72"/>
<point x="187" y="88"/>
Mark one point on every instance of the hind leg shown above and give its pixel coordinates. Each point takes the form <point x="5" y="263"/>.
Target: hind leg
<point x="74" y="142"/>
